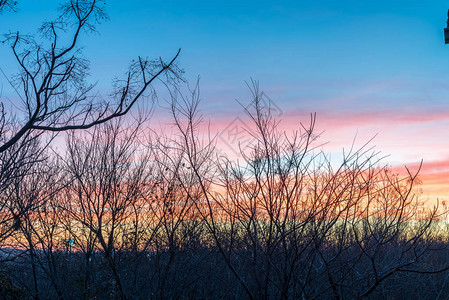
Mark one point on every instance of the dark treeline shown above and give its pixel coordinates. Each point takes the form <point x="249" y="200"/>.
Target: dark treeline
<point x="121" y="211"/>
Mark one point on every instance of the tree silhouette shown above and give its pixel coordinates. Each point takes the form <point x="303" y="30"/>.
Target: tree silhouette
<point x="52" y="79"/>
<point x="7" y="5"/>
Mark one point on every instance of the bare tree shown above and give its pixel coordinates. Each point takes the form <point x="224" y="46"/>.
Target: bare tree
<point x="174" y="202"/>
<point x="290" y="224"/>
<point x="56" y="96"/>
<point x="7" y="5"/>
<point x="109" y="172"/>
<point x="36" y="222"/>
<point x="16" y="164"/>
<point x="52" y="79"/>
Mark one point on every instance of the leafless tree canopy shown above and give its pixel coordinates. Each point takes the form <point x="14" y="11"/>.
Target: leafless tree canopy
<point x="7" y="5"/>
<point x="127" y="212"/>
<point x="52" y="79"/>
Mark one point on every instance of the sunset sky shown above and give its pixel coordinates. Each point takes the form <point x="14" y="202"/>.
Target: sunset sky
<point x="365" y="67"/>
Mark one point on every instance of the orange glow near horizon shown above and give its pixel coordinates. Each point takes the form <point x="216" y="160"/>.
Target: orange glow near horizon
<point x="404" y="138"/>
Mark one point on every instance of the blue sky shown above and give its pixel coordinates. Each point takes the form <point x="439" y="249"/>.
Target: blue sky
<point x="339" y="46"/>
<point x="364" y="66"/>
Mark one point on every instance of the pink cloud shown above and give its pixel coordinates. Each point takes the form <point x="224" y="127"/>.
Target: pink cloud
<point x="434" y="178"/>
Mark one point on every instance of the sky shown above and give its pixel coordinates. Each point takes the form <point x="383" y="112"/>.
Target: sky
<point x="367" y="68"/>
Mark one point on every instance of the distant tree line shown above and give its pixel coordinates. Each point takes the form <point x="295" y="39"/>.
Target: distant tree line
<point x="125" y="212"/>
